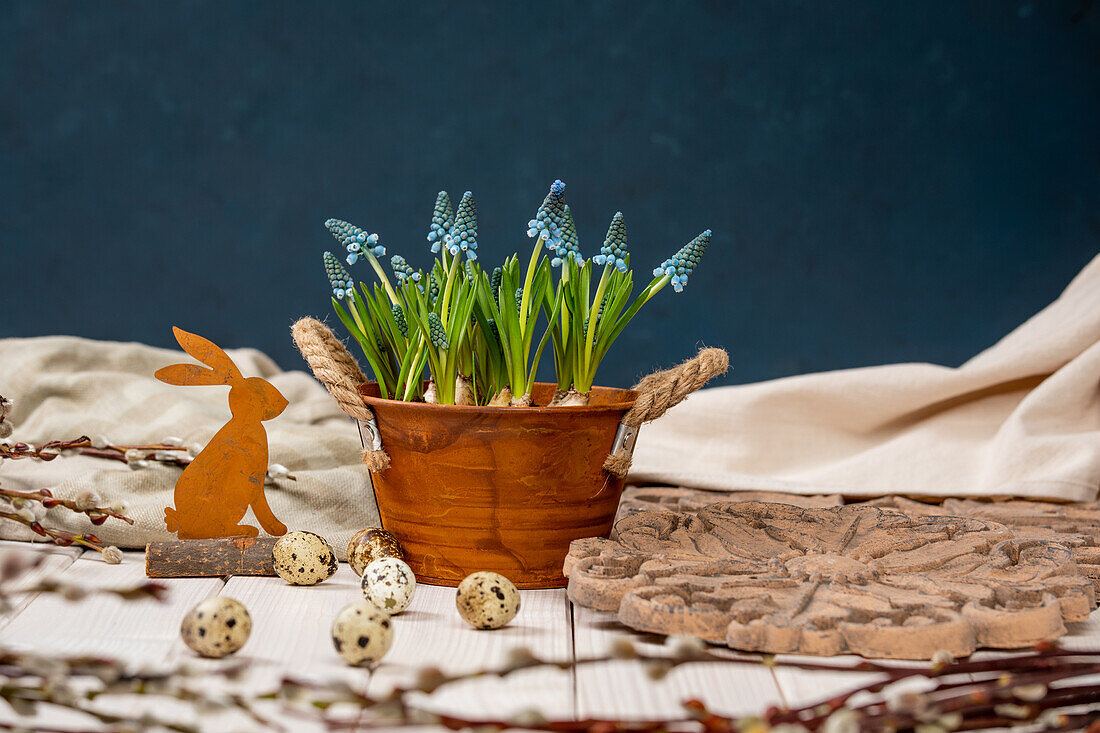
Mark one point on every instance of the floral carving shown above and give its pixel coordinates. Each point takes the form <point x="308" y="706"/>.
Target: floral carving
<point x="852" y="579"/>
<point x="1077" y="526"/>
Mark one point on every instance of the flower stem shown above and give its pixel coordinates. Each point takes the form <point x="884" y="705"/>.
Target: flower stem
<point x="525" y="301"/>
<point x="445" y="308"/>
<point x="383" y="278"/>
<point x="593" y="316"/>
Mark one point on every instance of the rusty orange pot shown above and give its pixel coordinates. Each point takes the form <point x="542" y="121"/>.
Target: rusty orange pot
<point x="496" y="488"/>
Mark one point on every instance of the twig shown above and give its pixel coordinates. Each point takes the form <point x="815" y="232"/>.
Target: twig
<point x="97" y="515"/>
<point x="83" y="446"/>
<point x="1008" y="694"/>
<point x="58" y="536"/>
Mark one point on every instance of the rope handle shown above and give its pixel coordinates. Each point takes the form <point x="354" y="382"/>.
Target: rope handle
<point x="657" y="394"/>
<point x="337" y="369"/>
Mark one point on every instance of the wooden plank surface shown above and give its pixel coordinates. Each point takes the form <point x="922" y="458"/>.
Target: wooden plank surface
<point x="623" y="689"/>
<point x="138" y="631"/>
<point x="801" y="687"/>
<point x="431" y="632"/>
<point x="52" y="561"/>
<point x="291" y="636"/>
<point x="291" y="628"/>
<point x="1084" y="636"/>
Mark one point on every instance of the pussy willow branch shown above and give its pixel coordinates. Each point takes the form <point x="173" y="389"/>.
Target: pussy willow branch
<point x="135" y="456"/>
<point x="35" y="680"/>
<point x="59" y="537"/>
<point x="132" y="455"/>
<point x="1009" y="691"/>
<point x="97" y="515"/>
<point x="73" y="592"/>
<point x="83" y="446"/>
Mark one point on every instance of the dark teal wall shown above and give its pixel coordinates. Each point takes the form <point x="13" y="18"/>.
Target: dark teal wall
<point x="886" y="181"/>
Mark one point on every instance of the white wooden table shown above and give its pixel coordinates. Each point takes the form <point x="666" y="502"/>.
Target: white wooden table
<point x="290" y="635"/>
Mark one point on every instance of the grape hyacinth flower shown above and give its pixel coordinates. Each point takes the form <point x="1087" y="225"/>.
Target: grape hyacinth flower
<point x="436" y="332"/>
<point x="681" y="264"/>
<point x="570" y="246"/>
<point x="494" y="283"/>
<point x="338" y="277"/>
<point x="599" y="313"/>
<point x="433" y="286"/>
<point x="462" y="236"/>
<point x="613" y="251"/>
<point x="357" y="241"/>
<point x="550" y="218"/>
<point x="403" y="271"/>
<point x="399" y="319"/>
<point x="442" y="219"/>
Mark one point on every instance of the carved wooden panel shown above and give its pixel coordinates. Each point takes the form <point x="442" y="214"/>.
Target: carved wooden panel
<point x="678" y="499"/>
<point x="853" y="579"/>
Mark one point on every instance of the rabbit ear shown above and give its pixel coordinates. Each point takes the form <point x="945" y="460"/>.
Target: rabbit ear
<point x="209" y="353"/>
<point x="191" y="375"/>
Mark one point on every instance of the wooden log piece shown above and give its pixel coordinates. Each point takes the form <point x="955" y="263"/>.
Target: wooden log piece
<point x="209" y="558"/>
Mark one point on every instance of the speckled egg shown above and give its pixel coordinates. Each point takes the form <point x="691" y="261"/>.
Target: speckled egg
<point x="367" y="545"/>
<point x="487" y="600"/>
<point x="303" y="558"/>
<point x="216" y="627"/>
<point x="362" y="634"/>
<point x="389" y="583"/>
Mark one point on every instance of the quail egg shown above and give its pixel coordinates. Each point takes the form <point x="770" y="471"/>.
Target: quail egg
<point x="362" y="634"/>
<point x="389" y="583"/>
<point x="367" y="545"/>
<point x="303" y="558"/>
<point x="487" y="600"/>
<point x="216" y="627"/>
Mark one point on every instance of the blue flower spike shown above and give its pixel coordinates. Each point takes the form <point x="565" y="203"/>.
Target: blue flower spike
<point x="462" y="236"/>
<point x="338" y="278"/>
<point x="436" y="331"/>
<point x="402" y="270"/>
<point x="570" y="247"/>
<point x="550" y="218"/>
<point x="357" y="242"/>
<point x="613" y="251"/>
<point x="681" y="264"/>
<point x="494" y="283"/>
<point x="399" y="319"/>
<point x="442" y="219"/>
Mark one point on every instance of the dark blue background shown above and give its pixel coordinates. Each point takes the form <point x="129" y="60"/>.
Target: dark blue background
<point x="885" y="181"/>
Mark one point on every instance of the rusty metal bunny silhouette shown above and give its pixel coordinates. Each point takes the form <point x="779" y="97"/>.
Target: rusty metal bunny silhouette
<point x="217" y="487"/>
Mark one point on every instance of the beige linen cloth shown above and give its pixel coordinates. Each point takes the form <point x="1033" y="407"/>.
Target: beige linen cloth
<point x="64" y="387"/>
<point x="1022" y="418"/>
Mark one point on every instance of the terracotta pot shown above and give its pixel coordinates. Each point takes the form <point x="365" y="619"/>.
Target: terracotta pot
<point x="496" y="488"/>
